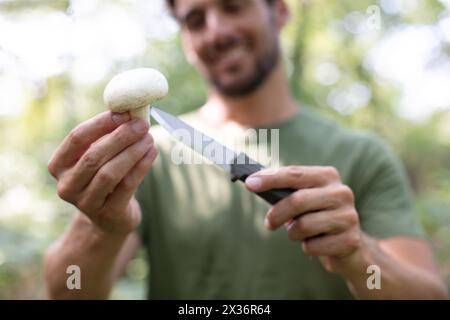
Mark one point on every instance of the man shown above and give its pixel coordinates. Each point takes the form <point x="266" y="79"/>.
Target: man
<point x="209" y="238"/>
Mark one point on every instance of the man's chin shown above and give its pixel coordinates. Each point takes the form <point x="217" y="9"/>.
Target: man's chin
<point x="245" y="80"/>
<point x="238" y="87"/>
<point x="234" y="90"/>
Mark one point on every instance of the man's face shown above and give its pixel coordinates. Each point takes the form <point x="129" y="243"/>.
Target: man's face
<point x="234" y="43"/>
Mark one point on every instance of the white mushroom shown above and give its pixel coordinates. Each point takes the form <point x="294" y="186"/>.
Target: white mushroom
<point x="134" y="91"/>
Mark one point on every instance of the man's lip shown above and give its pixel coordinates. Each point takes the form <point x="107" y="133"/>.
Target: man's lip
<point x="230" y="59"/>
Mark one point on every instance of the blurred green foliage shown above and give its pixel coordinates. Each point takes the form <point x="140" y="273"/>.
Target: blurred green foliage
<point x="32" y="216"/>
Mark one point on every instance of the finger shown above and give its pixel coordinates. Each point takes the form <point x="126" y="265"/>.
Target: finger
<point x="80" y="138"/>
<point x="338" y="245"/>
<point x="111" y="173"/>
<point x="127" y="187"/>
<point x="103" y="151"/>
<point x="319" y="223"/>
<point x="301" y="202"/>
<point x="295" y="177"/>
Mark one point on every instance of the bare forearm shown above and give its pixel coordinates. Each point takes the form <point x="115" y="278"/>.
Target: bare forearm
<point x="399" y="280"/>
<point x="93" y="251"/>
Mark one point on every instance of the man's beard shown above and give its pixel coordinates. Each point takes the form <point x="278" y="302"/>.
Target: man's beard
<point x="262" y="69"/>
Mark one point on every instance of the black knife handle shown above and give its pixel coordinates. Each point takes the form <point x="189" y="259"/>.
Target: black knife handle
<point x="243" y="166"/>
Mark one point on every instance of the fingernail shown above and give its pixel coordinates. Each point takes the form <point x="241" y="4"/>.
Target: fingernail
<point x="120" y="118"/>
<point x="253" y="182"/>
<point x="138" y="126"/>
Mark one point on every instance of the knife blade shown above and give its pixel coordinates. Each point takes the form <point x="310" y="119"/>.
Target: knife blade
<point x="238" y="165"/>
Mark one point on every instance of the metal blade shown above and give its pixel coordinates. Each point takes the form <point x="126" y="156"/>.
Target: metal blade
<point x="194" y="139"/>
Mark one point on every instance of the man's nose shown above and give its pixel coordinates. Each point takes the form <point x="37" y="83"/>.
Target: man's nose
<point x="217" y="28"/>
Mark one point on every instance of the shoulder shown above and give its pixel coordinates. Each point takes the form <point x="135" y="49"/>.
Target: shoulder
<point x="333" y="129"/>
<point x="335" y="139"/>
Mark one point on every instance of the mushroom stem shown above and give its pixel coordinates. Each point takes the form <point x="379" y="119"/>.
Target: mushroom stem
<point x="141" y="113"/>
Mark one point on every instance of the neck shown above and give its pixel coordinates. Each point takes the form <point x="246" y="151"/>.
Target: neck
<point x="270" y="104"/>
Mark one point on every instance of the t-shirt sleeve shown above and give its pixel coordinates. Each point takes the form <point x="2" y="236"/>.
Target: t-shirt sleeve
<point x="383" y="197"/>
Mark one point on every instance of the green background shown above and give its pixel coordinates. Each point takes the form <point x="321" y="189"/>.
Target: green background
<point x="32" y="216"/>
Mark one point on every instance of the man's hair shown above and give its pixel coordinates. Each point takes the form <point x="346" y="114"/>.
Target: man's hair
<point x="171" y="3"/>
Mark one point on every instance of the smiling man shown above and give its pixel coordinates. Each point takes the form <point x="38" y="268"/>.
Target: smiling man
<point x="208" y="238"/>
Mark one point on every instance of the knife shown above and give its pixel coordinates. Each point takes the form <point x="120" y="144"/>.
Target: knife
<point x="238" y="165"/>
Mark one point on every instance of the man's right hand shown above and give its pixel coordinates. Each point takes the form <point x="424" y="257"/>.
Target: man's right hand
<point x="99" y="166"/>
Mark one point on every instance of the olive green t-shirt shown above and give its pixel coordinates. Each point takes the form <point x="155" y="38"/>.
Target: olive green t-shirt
<point x="204" y="235"/>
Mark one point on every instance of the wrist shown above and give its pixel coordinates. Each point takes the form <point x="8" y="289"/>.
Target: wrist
<point x="356" y="263"/>
<point x="114" y="224"/>
<point x="98" y="234"/>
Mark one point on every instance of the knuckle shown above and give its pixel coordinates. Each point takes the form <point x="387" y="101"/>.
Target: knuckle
<point x="64" y="191"/>
<point x="91" y="160"/>
<point x="84" y="204"/>
<point x="295" y="200"/>
<point x="353" y="241"/>
<point x="51" y="167"/>
<point x="346" y="193"/>
<point x="352" y="217"/>
<point x="294" y="171"/>
<point x="75" y="136"/>
<point x="331" y="171"/>
<point x="106" y="177"/>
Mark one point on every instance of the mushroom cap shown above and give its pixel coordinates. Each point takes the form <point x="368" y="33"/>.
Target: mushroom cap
<point x="135" y="89"/>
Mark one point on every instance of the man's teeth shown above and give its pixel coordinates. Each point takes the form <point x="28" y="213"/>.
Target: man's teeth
<point x="235" y="54"/>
